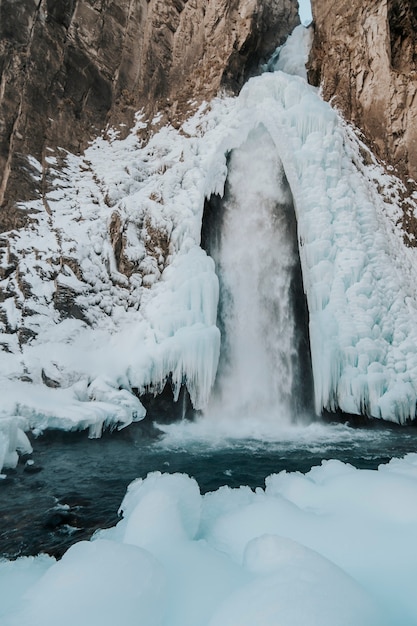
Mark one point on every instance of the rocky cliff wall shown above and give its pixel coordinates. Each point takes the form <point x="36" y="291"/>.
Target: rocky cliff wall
<point x="70" y="67"/>
<point x="364" y="57"/>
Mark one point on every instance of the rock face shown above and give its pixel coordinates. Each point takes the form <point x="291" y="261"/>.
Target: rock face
<point x="364" y="57"/>
<point x="70" y="67"/>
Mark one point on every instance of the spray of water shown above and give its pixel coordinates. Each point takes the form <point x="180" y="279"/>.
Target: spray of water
<point x="256" y="260"/>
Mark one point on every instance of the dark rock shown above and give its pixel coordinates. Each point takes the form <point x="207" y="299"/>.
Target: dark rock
<point x="364" y="57"/>
<point x="162" y="408"/>
<point x="25" y="335"/>
<point x="48" y="381"/>
<point x="65" y="303"/>
<point x="56" y="519"/>
<point x="32" y="469"/>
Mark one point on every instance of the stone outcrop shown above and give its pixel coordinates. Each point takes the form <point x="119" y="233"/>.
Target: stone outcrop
<point x="364" y="57"/>
<point x="70" y="67"/>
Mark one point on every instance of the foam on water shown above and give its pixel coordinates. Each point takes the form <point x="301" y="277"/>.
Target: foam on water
<point x="267" y="434"/>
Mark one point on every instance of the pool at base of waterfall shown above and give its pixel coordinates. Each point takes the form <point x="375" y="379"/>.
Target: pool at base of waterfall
<point x="71" y="485"/>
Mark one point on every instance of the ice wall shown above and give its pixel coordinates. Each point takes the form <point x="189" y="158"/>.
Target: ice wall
<point x="357" y="275"/>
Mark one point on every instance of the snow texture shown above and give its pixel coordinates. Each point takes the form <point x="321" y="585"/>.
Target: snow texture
<point x="333" y="547"/>
<point x="108" y="293"/>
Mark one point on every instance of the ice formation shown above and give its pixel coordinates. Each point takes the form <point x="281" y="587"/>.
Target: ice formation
<point x="333" y="547"/>
<point x="120" y="232"/>
<point x="256" y="259"/>
<point x="305" y="11"/>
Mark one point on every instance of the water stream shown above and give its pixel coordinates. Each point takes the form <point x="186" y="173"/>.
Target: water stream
<point x="263" y="373"/>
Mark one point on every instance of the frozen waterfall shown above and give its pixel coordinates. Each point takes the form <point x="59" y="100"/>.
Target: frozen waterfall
<point x="134" y="332"/>
<point x="254" y="245"/>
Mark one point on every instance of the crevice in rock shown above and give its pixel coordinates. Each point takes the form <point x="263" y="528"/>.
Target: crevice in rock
<point x="402" y="21"/>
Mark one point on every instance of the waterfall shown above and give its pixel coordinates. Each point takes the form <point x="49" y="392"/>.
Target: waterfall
<point x="254" y="246"/>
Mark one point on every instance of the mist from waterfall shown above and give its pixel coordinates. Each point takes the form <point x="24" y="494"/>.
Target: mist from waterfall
<point x="257" y="263"/>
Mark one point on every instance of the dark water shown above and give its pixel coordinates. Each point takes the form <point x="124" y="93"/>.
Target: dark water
<point x="74" y="485"/>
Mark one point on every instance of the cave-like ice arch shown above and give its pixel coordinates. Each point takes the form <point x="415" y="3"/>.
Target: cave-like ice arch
<point x="359" y="281"/>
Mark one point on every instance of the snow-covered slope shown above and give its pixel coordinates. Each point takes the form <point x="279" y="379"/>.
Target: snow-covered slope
<point x="108" y="291"/>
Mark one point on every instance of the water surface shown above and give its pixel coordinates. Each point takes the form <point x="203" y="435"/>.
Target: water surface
<point x="75" y="485"/>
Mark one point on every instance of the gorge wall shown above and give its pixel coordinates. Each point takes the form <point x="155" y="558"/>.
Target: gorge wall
<point x="70" y="67"/>
<point x="364" y="58"/>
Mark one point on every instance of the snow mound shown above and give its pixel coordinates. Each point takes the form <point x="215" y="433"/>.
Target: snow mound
<point x="334" y="546"/>
<point x="97" y="583"/>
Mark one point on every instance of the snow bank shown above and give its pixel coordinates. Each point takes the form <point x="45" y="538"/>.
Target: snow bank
<point x="333" y="547"/>
<point x="110" y="292"/>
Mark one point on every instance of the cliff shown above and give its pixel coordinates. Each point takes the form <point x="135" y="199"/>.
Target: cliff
<point x="364" y="58"/>
<point x="68" y="68"/>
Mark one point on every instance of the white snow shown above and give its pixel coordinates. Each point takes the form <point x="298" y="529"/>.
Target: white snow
<point x="122" y="235"/>
<point x="333" y="547"/>
<point x="101" y="582"/>
<point x="17" y="577"/>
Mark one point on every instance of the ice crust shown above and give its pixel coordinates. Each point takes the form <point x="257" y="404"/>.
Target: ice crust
<point x="136" y="328"/>
<point x="332" y="547"/>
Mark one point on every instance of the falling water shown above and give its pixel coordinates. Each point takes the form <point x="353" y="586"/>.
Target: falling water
<point x="257" y="262"/>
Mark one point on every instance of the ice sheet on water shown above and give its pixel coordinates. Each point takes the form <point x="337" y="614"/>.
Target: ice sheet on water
<point x="333" y="546"/>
